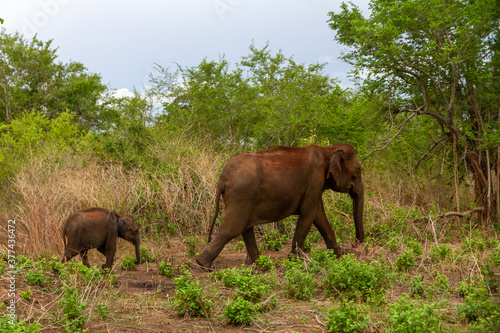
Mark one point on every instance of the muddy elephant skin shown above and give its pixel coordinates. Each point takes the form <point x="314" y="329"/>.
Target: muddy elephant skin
<point x="98" y="228"/>
<point x="270" y="185"/>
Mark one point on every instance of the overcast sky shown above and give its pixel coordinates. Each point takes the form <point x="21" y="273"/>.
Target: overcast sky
<point x="122" y="40"/>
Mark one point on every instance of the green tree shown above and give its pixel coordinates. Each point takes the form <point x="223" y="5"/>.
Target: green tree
<point x="31" y="78"/>
<point x="264" y="100"/>
<point x="437" y="59"/>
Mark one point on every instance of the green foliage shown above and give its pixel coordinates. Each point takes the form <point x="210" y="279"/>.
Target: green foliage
<point x="264" y="263"/>
<point x="166" y="268"/>
<point x="190" y="299"/>
<point x="32" y="79"/>
<point x="299" y="283"/>
<point x="32" y="134"/>
<point x="191" y="243"/>
<point x="252" y="287"/>
<point x="102" y="310"/>
<point x="407" y="316"/>
<point x="477" y="305"/>
<point x="25" y="294"/>
<point x="77" y="270"/>
<point x="72" y="310"/>
<point x="240" y="312"/>
<point x="417" y="286"/>
<point x="440" y="252"/>
<point x="347" y="317"/>
<point x="35" y="277"/>
<point x="442" y="284"/>
<point x="266" y="100"/>
<point x="9" y="325"/>
<point x="406" y="261"/>
<point x="128" y="263"/>
<point x="356" y="280"/>
<point x="415" y="246"/>
<point x="274" y="240"/>
<point x="146" y="256"/>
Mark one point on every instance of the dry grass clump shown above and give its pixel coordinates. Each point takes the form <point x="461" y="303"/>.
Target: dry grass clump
<point x="177" y="197"/>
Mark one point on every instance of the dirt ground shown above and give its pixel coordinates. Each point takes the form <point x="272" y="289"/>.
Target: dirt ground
<point x="140" y="300"/>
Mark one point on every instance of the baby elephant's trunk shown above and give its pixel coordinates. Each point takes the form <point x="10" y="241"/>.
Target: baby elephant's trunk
<point x="137" y="250"/>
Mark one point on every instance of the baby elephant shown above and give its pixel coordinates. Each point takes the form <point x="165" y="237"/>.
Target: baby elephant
<point x="98" y="228"/>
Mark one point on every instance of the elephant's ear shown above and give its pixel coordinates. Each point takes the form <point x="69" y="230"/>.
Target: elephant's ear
<point x="122" y="226"/>
<point x="335" y="167"/>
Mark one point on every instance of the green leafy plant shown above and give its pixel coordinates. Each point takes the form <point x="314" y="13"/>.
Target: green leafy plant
<point x="406" y="261"/>
<point x="128" y="263"/>
<point x="240" y="312"/>
<point x="146" y="255"/>
<point x="252" y="287"/>
<point x="407" y="316"/>
<point x="35" y="277"/>
<point x="102" y="310"/>
<point x="347" y="317"/>
<point x="356" y="279"/>
<point x="25" y="294"/>
<point x="166" y="268"/>
<point x="274" y="240"/>
<point x="477" y="305"/>
<point x="417" y="286"/>
<point x="8" y="325"/>
<point x="72" y="310"/>
<point x="440" y="252"/>
<point x="190" y="299"/>
<point x="299" y="283"/>
<point x="264" y="263"/>
<point x="191" y="243"/>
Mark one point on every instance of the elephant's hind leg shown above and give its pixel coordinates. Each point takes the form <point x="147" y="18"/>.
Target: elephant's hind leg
<point x="229" y="228"/>
<point x="251" y="245"/>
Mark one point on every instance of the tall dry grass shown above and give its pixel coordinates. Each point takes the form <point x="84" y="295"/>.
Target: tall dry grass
<point x="45" y="191"/>
<point x="172" y="195"/>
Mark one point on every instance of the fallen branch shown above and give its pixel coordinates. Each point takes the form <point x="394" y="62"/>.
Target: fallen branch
<point x="464" y="214"/>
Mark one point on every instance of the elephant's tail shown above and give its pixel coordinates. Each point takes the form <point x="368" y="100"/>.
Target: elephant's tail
<point x="220" y="190"/>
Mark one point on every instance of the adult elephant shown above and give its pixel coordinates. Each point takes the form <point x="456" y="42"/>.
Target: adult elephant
<point x="270" y="185"/>
<point x="98" y="228"/>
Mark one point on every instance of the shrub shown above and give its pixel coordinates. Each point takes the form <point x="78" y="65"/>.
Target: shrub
<point x="415" y="246"/>
<point x="146" y="256"/>
<point x="356" y="279"/>
<point x="34" y="277"/>
<point x="25" y="294"/>
<point x="102" y="310"/>
<point x="299" y="283"/>
<point x="128" y="263"/>
<point x="190" y="299"/>
<point x="264" y="263"/>
<point x="191" y="243"/>
<point x="7" y="325"/>
<point x="417" y="286"/>
<point x="166" y="268"/>
<point x="73" y="310"/>
<point x="347" y="317"/>
<point x="240" y="312"/>
<point x="253" y="287"/>
<point x="440" y="252"/>
<point x="407" y="316"/>
<point x="406" y="261"/>
<point x="477" y="305"/>
<point x="274" y="240"/>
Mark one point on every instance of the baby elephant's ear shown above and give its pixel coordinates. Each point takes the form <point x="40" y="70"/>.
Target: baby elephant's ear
<point x="122" y="226"/>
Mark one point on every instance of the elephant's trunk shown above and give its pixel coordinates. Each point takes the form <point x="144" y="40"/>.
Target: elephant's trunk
<point x="138" y="250"/>
<point x="358" y="197"/>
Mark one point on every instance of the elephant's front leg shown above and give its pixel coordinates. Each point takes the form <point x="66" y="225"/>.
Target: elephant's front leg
<point x="326" y="231"/>
<point x="85" y="258"/>
<point x="109" y="252"/>
<point x="251" y="245"/>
